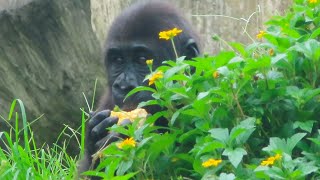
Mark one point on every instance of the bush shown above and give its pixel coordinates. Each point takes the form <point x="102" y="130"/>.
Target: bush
<point x="249" y="113"/>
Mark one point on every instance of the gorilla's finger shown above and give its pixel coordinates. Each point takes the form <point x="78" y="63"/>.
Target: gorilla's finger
<point x="125" y="122"/>
<point x="100" y="129"/>
<point x="112" y="137"/>
<point x="98" y="117"/>
<point x="91" y="114"/>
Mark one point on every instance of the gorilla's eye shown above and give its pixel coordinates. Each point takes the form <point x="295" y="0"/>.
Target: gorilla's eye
<point x="142" y="60"/>
<point x="118" y="60"/>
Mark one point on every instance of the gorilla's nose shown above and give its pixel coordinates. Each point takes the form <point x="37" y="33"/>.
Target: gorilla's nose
<point x="125" y="83"/>
<point x="124" y="87"/>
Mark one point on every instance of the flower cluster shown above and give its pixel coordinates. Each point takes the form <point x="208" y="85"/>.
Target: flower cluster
<point x="261" y="34"/>
<point x="313" y="1"/>
<point x="169" y="34"/>
<point x="155" y="76"/>
<point x="129" y="142"/>
<point x="211" y="162"/>
<point x="271" y="160"/>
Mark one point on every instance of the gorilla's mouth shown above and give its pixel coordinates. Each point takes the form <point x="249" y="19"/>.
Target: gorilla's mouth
<point x="131" y="102"/>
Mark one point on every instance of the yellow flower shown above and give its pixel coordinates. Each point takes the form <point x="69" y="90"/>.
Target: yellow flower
<point x="155" y="76"/>
<point x="271" y="160"/>
<point x="169" y="34"/>
<point x="313" y="1"/>
<point x="277" y="156"/>
<point x="215" y="74"/>
<point x="211" y="162"/>
<point x="261" y="34"/>
<point x="129" y="142"/>
<point x="271" y="52"/>
<point x="149" y="61"/>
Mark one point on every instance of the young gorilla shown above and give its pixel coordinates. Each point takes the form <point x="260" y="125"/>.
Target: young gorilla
<point x="132" y="39"/>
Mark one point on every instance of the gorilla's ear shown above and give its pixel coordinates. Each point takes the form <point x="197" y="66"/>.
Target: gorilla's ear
<point x="191" y="49"/>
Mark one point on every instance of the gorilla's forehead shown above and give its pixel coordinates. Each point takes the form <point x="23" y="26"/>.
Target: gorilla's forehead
<point x="136" y="45"/>
<point x="145" y="20"/>
<point x="135" y="30"/>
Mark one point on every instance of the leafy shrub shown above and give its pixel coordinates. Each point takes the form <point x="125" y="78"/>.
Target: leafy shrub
<point x="249" y="113"/>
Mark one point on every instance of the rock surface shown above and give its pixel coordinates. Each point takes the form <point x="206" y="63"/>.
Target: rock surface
<point x="49" y="56"/>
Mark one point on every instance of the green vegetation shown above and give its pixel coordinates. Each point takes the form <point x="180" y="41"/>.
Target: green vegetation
<point x="251" y="112"/>
<point x="23" y="159"/>
<point x="248" y="113"/>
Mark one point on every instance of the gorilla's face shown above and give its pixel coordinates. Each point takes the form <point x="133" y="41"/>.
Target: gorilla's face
<point x="134" y="38"/>
<point x="127" y="68"/>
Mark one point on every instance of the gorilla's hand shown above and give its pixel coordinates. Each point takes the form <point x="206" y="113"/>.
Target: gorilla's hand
<point x="98" y="136"/>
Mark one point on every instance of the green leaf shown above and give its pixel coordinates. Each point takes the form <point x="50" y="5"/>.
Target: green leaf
<point x="307" y="126"/>
<point x="155" y="149"/>
<point x="277" y="58"/>
<point x="223" y="58"/>
<point x="207" y="147"/>
<point x="276" y="173"/>
<point x="169" y="73"/>
<point x="94" y="173"/>
<point x="314" y="140"/>
<point x="284" y="43"/>
<point x="187" y="135"/>
<point x="236" y="59"/>
<point x="274" y="75"/>
<point x="143" y="142"/>
<point x="310" y="48"/>
<point x="215" y="37"/>
<point x="293" y="141"/>
<point x="140" y="88"/>
<point x="174" y="117"/>
<point x="224" y="176"/>
<point x="224" y="70"/>
<point x="148" y="103"/>
<point x="239" y="47"/>
<point x="180" y="59"/>
<point x="249" y="126"/>
<point x="220" y="134"/>
<point x="276" y="144"/>
<point x="179" y="91"/>
<point x="179" y="77"/>
<point x="256" y="64"/>
<point x="124" y="166"/>
<point x="125" y="177"/>
<point x="235" y="155"/>
<point x="271" y="39"/>
<point x="235" y="132"/>
<point x="13" y="105"/>
<point x="111" y="166"/>
<point x="315" y="33"/>
<point x="202" y="95"/>
<point x="307" y="168"/>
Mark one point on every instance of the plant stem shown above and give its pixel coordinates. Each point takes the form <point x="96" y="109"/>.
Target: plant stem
<point x="265" y="77"/>
<point x="235" y="97"/>
<point x="174" y="48"/>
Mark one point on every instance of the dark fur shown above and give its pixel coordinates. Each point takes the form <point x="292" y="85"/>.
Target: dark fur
<point x="140" y="22"/>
